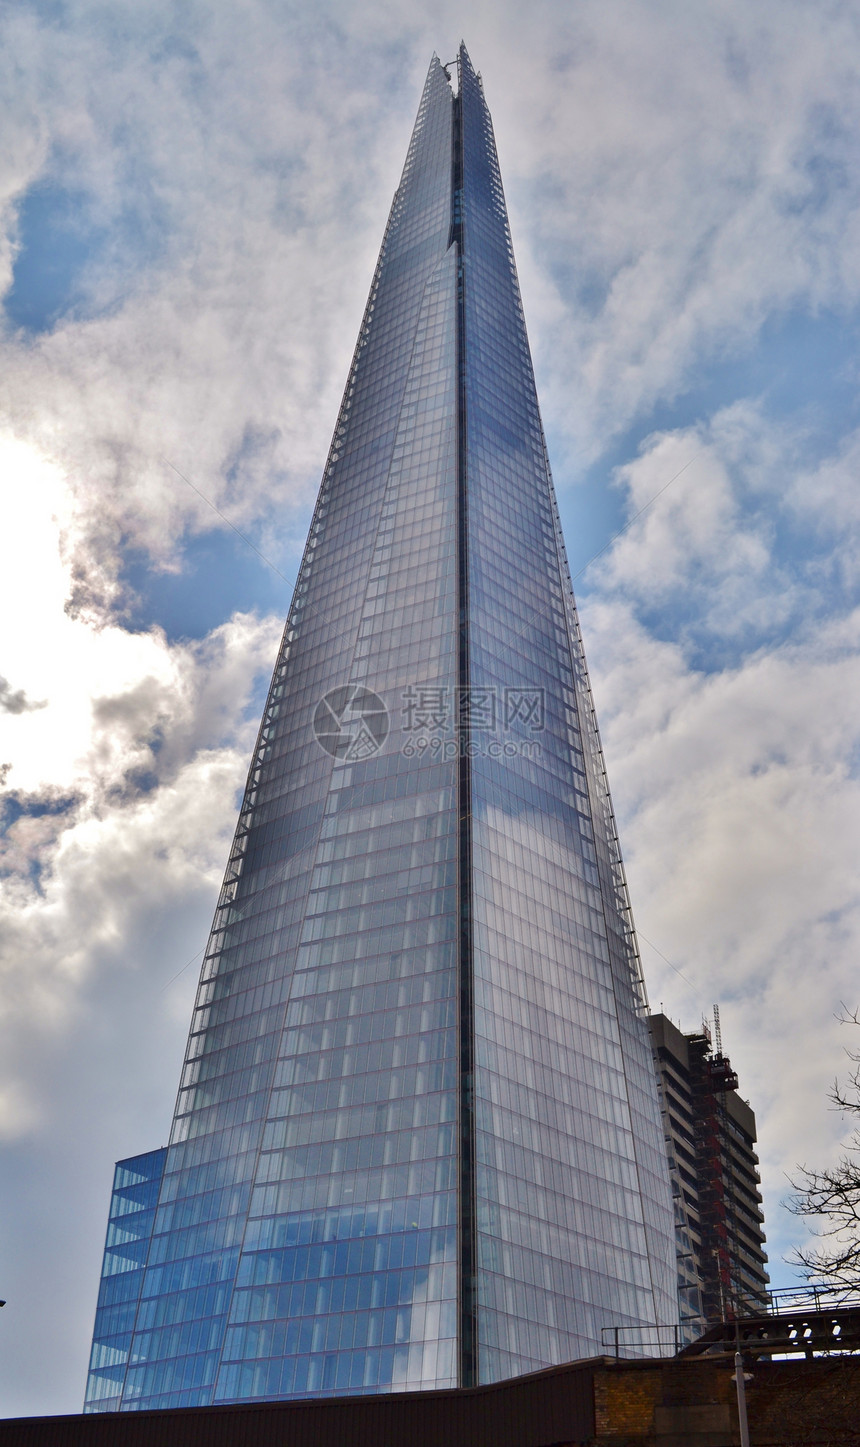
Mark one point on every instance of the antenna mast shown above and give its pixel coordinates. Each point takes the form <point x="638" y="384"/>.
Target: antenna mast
<point x="718" y="1037"/>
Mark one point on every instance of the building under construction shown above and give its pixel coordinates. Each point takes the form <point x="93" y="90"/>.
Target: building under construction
<point x="710" y="1139"/>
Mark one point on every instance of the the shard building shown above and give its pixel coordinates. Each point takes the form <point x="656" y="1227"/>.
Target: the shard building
<point x="417" y="1140"/>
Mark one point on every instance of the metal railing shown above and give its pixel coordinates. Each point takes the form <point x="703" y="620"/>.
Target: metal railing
<point x="635" y="1340"/>
<point x="811" y="1296"/>
<point x="783" y="1301"/>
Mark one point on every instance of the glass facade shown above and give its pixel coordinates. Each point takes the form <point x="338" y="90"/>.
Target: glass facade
<point x="417" y="1141"/>
<point x="132" y="1212"/>
<point x="570" y="1168"/>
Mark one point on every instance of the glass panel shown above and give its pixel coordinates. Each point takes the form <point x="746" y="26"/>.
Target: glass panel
<point x="573" y="1209"/>
<point x="132" y="1214"/>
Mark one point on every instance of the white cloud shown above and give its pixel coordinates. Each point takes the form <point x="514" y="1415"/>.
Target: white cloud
<point x="222" y="272"/>
<point x="121" y="795"/>
<point x="736" y="781"/>
<point x="692" y="173"/>
<point x="125" y="779"/>
<point x="680" y="175"/>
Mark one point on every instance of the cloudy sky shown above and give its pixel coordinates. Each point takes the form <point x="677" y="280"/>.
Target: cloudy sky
<point x="191" y="201"/>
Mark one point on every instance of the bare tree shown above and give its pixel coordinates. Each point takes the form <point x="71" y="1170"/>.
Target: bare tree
<point x="833" y="1196"/>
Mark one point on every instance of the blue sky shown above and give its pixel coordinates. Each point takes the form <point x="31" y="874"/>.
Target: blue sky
<point x="191" y="202"/>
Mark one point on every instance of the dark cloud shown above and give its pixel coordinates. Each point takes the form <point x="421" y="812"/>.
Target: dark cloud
<point x="16" y="700"/>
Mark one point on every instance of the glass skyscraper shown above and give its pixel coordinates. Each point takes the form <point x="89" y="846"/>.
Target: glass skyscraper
<point x="417" y="1140"/>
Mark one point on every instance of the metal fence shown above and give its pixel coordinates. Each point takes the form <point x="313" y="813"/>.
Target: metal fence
<point x="639" y="1340"/>
<point x="811" y="1296"/>
<point x="660" y="1341"/>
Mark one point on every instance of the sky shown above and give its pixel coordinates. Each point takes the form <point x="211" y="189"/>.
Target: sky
<point x="192" y="198"/>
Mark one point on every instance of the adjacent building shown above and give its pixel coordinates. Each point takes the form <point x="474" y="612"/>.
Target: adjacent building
<point x="417" y="1141"/>
<point x="710" y="1138"/>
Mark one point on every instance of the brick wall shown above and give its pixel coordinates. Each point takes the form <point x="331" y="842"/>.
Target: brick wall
<point x="694" y="1403"/>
